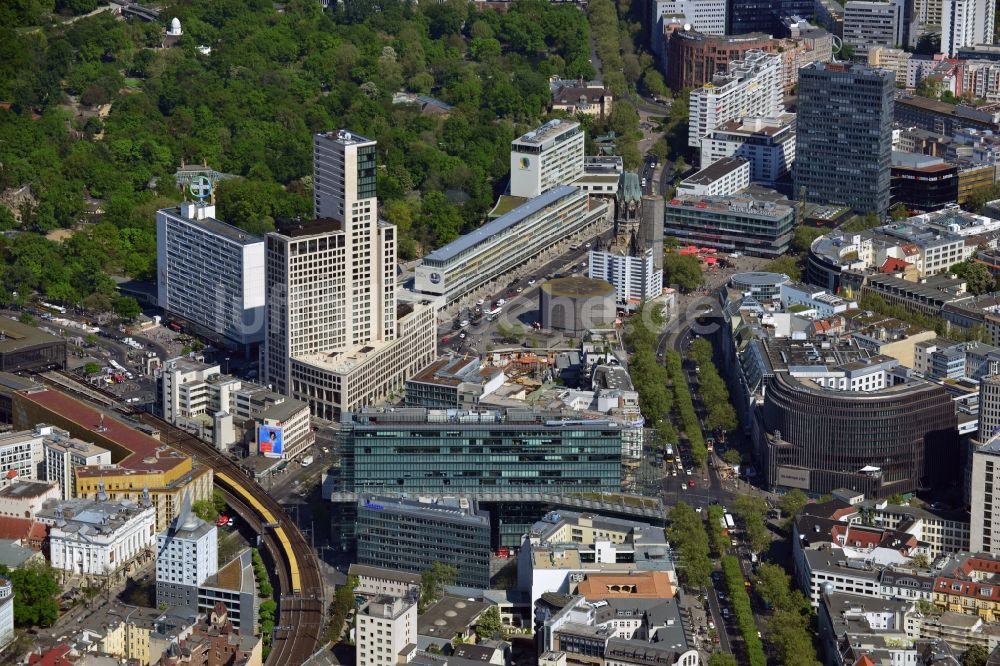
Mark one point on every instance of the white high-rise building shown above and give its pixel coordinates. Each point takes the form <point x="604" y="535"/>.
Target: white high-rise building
<point x="752" y="88"/>
<point x="869" y="23"/>
<point x="63" y="453"/>
<point x="344" y="182"/>
<point x="6" y="612"/>
<point x="767" y="143"/>
<point x="187" y="553"/>
<point x="632" y="272"/>
<point x="966" y="23"/>
<point x="333" y="336"/>
<point x="706" y="16"/>
<point x="546" y="158"/>
<point x="211" y="273"/>
<point x="21" y="455"/>
<point x="984" y="524"/>
<point x="386" y="625"/>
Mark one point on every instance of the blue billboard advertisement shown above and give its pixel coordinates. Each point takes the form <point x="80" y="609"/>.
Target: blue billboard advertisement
<point x="269" y="441"/>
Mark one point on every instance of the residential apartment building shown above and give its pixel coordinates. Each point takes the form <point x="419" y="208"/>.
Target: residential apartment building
<point x="751" y="87"/>
<point x="632" y="271"/>
<point x="411" y="535"/>
<point x="211" y="274"/>
<point x="966" y="23"/>
<point x="98" y="539"/>
<point x="64" y="453"/>
<point x="941" y="532"/>
<point x="385" y="626"/>
<point x="964" y="584"/>
<point x="559" y="551"/>
<point x="692" y="59"/>
<point x="721" y="178"/>
<point x="768" y="144"/>
<point x="734" y="223"/>
<point x="187" y="554"/>
<point x="546" y="158"/>
<point x="474" y="260"/>
<point x="21" y="454"/>
<point x="869" y="23"/>
<point x="844" y="136"/>
<point x="893" y="59"/>
<point x="335" y="338"/>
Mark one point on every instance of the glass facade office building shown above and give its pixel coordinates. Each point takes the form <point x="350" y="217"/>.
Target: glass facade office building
<point x="410" y="535"/>
<point x="844" y="136"/>
<point x="439" y="451"/>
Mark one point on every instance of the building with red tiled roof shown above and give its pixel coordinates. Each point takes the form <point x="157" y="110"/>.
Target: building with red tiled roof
<point x="54" y="657"/>
<point x="970" y="584"/>
<point x="893" y="265"/>
<point x="141" y="461"/>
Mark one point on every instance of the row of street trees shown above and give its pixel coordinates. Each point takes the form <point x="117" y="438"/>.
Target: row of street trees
<point x="712" y="390"/>
<point x="685" y="408"/>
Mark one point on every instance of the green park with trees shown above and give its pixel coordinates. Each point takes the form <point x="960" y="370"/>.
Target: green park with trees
<point x="97" y="117"/>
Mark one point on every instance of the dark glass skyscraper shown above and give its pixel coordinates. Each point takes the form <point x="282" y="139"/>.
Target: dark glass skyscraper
<point x="844" y="136"/>
<point x="765" y="15"/>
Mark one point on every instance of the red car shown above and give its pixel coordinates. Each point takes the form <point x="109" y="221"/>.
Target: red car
<point x="223" y="519"/>
<point x="691" y="483"/>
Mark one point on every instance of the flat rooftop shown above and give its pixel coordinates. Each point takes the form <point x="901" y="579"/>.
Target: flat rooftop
<point x="15" y="336"/>
<point x="284" y="410"/>
<point x="217" y="227"/>
<point x="24" y="489"/>
<point x="449" y="616"/>
<point x="716" y="170"/>
<point x="145" y="453"/>
<point x="758" y="126"/>
<point x="547" y="131"/>
<point x="459" y="510"/>
<point x="502" y="223"/>
<point x="740" y="204"/>
<point x="345" y="137"/>
<point x="319" y="226"/>
<point x="577" y="286"/>
<point x="455" y="370"/>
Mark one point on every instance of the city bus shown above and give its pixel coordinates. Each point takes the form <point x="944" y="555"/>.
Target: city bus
<point x="494" y="314"/>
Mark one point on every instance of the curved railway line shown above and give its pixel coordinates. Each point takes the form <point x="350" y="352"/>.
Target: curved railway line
<point x="300" y="622"/>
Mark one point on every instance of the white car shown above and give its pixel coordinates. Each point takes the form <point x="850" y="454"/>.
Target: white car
<point x="587" y="245"/>
<point x="463" y="323"/>
<point x="461" y="335"/>
<point x="531" y="282"/>
<point x="500" y="302"/>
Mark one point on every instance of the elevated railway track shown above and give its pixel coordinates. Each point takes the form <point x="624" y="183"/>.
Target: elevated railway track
<point x="301" y="606"/>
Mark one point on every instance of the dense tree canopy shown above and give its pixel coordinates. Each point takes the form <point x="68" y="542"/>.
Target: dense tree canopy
<point x="249" y="108"/>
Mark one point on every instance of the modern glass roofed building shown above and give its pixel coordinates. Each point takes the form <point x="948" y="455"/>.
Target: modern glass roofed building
<point x="499" y="246"/>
